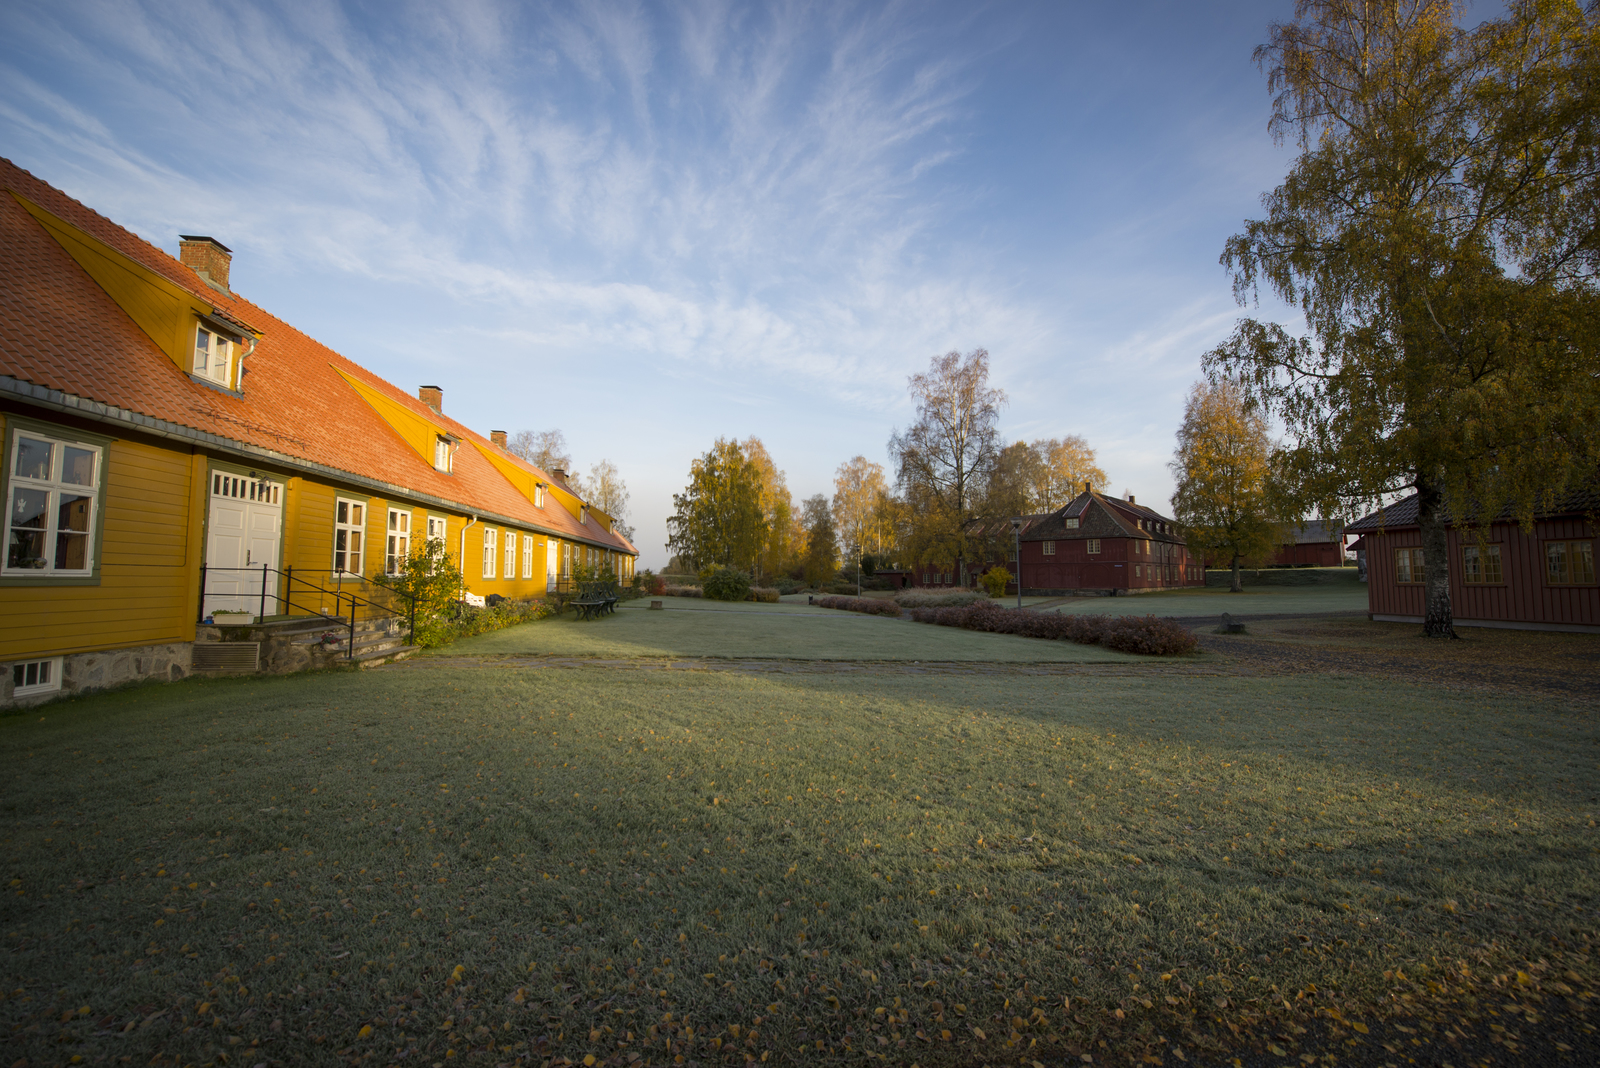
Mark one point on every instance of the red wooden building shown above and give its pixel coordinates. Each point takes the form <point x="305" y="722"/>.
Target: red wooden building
<point x="1539" y="580"/>
<point x="1092" y="545"/>
<point x="1312" y="543"/>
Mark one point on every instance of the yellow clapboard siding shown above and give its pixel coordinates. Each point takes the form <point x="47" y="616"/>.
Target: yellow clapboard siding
<point x="134" y="604"/>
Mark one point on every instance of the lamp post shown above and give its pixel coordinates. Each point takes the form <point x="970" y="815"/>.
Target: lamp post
<point x="1016" y="536"/>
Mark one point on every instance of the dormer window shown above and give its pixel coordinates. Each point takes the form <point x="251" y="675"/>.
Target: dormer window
<point x="443" y="454"/>
<point x="1072" y="524"/>
<point x="538" y="495"/>
<point x="213" y="357"/>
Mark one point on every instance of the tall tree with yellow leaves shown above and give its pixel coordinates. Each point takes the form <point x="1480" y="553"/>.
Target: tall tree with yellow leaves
<point x="1222" y="465"/>
<point x="1440" y="231"/>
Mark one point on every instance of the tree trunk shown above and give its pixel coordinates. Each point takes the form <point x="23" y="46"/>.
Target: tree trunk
<point x="1238" y="583"/>
<point x="1437" y="621"/>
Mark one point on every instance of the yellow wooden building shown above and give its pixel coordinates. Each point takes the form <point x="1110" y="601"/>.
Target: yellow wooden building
<point x="172" y="451"/>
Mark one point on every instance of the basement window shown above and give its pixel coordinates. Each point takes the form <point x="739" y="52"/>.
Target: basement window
<point x="36" y="676"/>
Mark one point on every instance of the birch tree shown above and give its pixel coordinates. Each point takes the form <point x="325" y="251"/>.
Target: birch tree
<point x="1438" y="231"/>
<point x="942" y="461"/>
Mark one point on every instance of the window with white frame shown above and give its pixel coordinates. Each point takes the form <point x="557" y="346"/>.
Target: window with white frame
<point x="566" y="558"/>
<point x="349" y="534"/>
<point x="213" y="356"/>
<point x="397" y="547"/>
<point x="1049" y="548"/>
<point x="443" y="454"/>
<point x="538" y="495"/>
<point x="1072" y="524"/>
<point x="511" y="554"/>
<point x="491" y="548"/>
<point x="36" y="676"/>
<point x="1094" y="546"/>
<point x="50" y="516"/>
<point x="527" y="556"/>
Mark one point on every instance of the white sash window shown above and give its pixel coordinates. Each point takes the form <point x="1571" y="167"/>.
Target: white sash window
<point x="491" y="546"/>
<point x="50" y="513"/>
<point x="349" y="534"/>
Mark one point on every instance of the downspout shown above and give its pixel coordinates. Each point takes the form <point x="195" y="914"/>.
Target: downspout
<point x="461" y="561"/>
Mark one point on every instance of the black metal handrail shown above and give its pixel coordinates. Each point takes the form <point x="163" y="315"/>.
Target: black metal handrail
<point x="285" y="597"/>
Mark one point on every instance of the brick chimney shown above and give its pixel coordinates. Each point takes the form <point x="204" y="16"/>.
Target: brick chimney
<point x="497" y="438"/>
<point x="1131" y="500"/>
<point x="560" y="477"/>
<point x="432" y="396"/>
<point x="208" y="257"/>
<point x="1088" y="487"/>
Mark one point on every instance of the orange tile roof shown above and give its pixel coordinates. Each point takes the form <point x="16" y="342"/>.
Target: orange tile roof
<point x="60" y="330"/>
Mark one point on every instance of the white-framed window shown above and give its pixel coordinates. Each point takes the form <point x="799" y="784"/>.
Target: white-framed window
<point x="491" y="550"/>
<point x="443" y="454"/>
<point x="31" y="677"/>
<point x="349" y="534"/>
<point x="397" y="547"/>
<point x="527" y="556"/>
<point x="538" y="495"/>
<point x="1072" y="524"/>
<point x="1049" y="548"/>
<point x="1094" y="546"/>
<point x="511" y="554"/>
<point x="50" y="515"/>
<point x="566" y="558"/>
<point x="213" y="356"/>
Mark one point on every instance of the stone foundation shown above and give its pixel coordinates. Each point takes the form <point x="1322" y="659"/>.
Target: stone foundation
<point x="82" y="672"/>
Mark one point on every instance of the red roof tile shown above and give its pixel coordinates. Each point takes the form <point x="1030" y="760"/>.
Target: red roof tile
<point x="60" y="330"/>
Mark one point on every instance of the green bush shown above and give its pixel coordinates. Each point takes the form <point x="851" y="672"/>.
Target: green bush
<point x="725" y="584"/>
<point x="766" y="594"/>
<point x="994" y="580"/>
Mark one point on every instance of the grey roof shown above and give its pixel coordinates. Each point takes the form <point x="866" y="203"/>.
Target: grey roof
<point x="1404" y="513"/>
<point x="1314" y="530"/>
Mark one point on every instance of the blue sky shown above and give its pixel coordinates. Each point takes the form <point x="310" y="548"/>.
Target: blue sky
<point x="651" y="225"/>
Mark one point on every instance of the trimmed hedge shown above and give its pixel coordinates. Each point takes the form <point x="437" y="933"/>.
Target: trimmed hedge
<point x="672" y="590"/>
<point x="1147" y="635"/>
<point x="763" y="594"/>
<point x="873" y="606"/>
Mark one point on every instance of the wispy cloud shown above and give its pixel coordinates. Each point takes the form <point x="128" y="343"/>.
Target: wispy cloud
<point x="765" y="202"/>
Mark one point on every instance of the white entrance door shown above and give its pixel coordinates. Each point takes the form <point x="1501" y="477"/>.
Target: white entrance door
<point x="243" y="529"/>
<point x="550" y="565"/>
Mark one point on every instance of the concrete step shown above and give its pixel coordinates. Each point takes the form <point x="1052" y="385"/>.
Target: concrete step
<point x="374" y="658"/>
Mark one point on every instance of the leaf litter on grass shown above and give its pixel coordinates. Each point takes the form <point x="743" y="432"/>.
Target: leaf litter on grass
<point x="596" y="864"/>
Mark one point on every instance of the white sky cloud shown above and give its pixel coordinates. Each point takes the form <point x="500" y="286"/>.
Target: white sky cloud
<point x="711" y="218"/>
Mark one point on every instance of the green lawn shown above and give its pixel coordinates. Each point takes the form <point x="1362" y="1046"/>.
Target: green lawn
<point x="687" y="627"/>
<point x="444" y="863"/>
<point x="1211" y="600"/>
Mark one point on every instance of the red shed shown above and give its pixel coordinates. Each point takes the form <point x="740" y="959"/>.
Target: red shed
<point x="1539" y="580"/>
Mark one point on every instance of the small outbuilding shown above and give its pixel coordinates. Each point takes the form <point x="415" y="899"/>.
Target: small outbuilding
<point x="1543" y="579"/>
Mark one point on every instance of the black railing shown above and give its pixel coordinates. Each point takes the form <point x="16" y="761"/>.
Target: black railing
<point x="285" y="598"/>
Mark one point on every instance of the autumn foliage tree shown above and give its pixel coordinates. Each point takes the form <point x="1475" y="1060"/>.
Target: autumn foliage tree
<point x="1223" y="469"/>
<point x="860" y="515"/>
<point x="717" y="519"/>
<point x="1439" y="231"/>
<point x="943" y="460"/>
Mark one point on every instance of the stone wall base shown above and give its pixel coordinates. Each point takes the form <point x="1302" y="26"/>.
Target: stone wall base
<point x="83" y="672"/>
